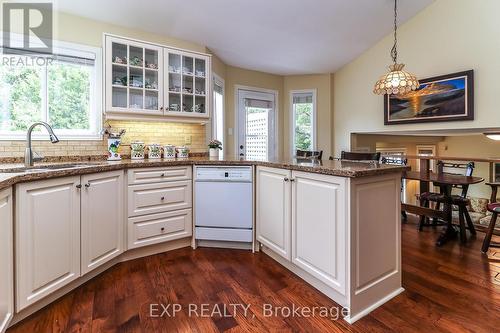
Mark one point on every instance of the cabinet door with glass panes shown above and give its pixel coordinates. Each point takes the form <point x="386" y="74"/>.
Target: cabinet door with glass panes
<point x="187" y="79"/>
<point x="134" y="76"/>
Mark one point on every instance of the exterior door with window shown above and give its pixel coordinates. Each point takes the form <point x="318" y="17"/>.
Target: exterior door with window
<point x="256" y="125"/>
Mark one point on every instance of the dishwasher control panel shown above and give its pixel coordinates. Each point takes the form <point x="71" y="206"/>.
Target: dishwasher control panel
<point x="229" y="174"/>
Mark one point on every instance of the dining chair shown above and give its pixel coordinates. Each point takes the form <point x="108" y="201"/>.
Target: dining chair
<point x="494" y="208"/>
<point x="398" y="161"/>
<point x="356" y="156"/>
<point x="459" y="200"/>
<point x="309" y="154"/>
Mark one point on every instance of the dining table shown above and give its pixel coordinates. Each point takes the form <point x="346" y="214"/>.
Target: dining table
<point x="445" y="182"/>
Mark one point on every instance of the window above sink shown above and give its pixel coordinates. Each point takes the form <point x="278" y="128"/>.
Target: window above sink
<point x="63" y="89"/>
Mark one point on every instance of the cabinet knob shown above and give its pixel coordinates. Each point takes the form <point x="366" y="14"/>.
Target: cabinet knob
<point x="162" y="175"/>
<point x="162" y="229"/>
<point x="161" y="108"/>
<point x="292" y="179"/>
<point x="87" y="185"/>
<point x="79" y="186"/>
<point x="286" y="179"/>
<point x="162" y="198"/>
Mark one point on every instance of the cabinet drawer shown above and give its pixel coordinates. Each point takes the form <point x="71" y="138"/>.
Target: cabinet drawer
<point x="158" y="175"/>
<point x="157" y="198"/>
<point x="158" y="228"/>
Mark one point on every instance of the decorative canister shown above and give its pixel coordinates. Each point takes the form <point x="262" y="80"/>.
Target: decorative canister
<point x="154" y="151"/>
<point x="168" y="151"/>
<point x="182" y="152"/>
<point x="137" y="150"/>
<point x="113" y="145"/>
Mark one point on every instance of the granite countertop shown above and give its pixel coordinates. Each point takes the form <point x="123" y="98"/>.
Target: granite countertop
<point x="335" y="168"/>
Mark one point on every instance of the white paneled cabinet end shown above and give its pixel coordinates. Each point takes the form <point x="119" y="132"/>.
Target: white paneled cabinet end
<point x="6" y="260"/>
<point x="47" y="237"/>
<point x="102" y="217"/>
<point x="342" y="235"/>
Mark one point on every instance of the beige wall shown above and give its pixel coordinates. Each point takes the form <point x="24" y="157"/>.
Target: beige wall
<point x="446" y="37"/>
<point x="322" y="84"/>
<point x="80" y="30"/>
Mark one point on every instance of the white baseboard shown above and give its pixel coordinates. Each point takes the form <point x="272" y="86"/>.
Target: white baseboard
<point x="372" y="307"/>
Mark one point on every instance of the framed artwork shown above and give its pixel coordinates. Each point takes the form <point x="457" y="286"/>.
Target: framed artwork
<point x="442" y="98"/>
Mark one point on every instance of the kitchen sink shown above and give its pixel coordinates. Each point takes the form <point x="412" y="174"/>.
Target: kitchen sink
<point x="46" y="168"/>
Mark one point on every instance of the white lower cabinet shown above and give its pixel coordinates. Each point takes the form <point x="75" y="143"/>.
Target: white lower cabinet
<point x="160" y="202"/>
<point x="65" y="227"/>
<point x="47" y="237"/>
<point x="319" y="237"/>
<point x="273" y="210"/>
<point x="6" y="260"/>
<point x="102" y="218"/>
<point x="158" y="228"/>
<point x="302" y="217"/>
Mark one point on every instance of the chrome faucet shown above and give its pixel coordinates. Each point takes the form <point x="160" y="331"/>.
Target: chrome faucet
<point x="28" y="154"/>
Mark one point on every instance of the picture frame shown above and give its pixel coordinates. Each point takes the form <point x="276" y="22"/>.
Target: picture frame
<point x="442" y="98"/>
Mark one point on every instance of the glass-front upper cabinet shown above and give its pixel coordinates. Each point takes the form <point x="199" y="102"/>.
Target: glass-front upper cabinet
<point x="152" y="80"/>
<point x="133" y="76"/>
<point x="187" y="84"/>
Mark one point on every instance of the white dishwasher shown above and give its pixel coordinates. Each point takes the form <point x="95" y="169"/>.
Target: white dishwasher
<point x="224" y="203"/>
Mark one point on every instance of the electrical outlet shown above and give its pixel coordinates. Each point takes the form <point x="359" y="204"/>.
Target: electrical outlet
<point x="188" y="139"/>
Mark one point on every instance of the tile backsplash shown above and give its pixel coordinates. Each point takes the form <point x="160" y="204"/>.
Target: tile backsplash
<point x="191" y="135"/>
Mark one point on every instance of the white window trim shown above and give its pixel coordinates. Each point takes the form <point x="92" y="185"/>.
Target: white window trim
<point x="314" y="120"/>
<point x="276" y="143"/>
<point x="221" y="82"/>
<point x="78" y="50"/>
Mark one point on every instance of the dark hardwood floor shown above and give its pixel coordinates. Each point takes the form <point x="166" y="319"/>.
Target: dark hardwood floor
<point x="448" y="289"/>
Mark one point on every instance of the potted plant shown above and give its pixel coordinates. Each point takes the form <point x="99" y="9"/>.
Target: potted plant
<point x="214" y="147"/>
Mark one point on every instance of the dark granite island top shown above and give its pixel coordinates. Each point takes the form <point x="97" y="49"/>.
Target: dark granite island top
<point x="334" y="168"/>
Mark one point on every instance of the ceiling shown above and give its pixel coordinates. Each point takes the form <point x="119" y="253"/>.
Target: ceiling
<point x="276" y="36"/>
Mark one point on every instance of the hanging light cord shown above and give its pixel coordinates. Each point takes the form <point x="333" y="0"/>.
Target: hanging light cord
<point x="394" y="50"/>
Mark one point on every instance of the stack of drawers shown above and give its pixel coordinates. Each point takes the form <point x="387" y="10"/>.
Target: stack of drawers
<point x="159" y="205"/>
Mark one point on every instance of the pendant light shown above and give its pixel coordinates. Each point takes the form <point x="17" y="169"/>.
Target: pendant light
<point x="397" y="81"/>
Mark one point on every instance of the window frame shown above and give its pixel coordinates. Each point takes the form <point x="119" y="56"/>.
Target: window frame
<point x="314" y="128"/>
<point x="95" y="116"/>
<point x="216" y="79"/>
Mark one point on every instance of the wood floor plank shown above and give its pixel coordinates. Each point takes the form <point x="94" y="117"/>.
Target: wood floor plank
<point x="449" y="289"/>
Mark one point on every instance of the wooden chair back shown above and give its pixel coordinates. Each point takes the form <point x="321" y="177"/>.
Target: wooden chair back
<point x="466" y="169"/>
<point x="309" y="154"/>
<point x="355" y="156"/>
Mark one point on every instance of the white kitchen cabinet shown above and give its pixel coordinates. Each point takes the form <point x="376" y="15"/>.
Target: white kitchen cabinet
<point x="6" y="260"/>
<point x="273" y="210"/>
<point x="102" y="218"/>
<point x="134" y="76"/>
<point x="47" y="237"/>
<point x="158" y="228"/>
<point x="319" y="237"/>
<point x="146" y="79"/>
<point x="159" y="197"/>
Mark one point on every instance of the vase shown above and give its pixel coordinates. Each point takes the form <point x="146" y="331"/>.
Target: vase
<point x="169" y="151"/>
<point x="213" y="152"/>
<point x="113" y="145"/>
